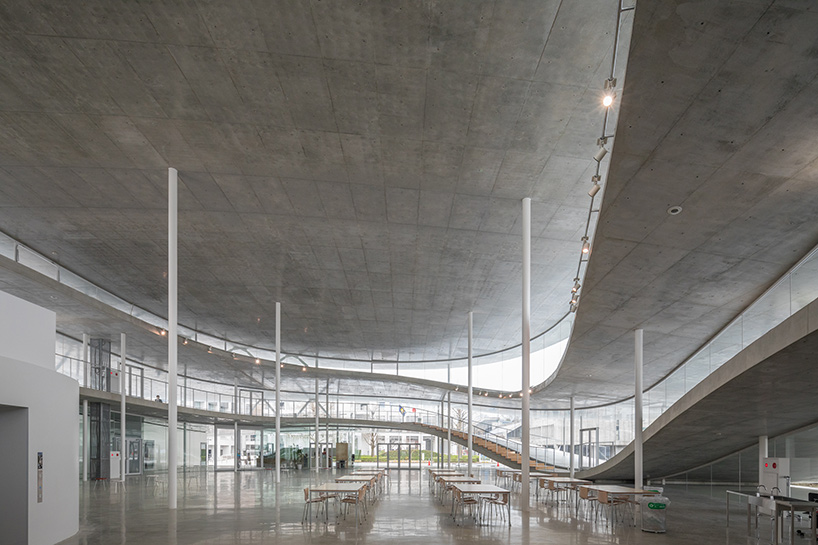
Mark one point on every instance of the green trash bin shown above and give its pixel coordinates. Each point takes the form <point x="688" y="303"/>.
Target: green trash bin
<point x="653" y="510"/>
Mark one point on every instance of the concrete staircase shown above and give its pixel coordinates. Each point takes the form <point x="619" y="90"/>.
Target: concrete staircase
<point x="497" y="452"/>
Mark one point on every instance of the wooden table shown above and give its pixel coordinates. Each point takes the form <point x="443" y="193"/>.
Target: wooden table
<point x="444" y="481"/>
<point x="435" y="473"/>
<point x="562" y="482"/>
<point x="337" y="488"/>
<point x="608" y="493"/>
<point x="482" y="489"/>
<point x="371" y="479"/>
<point x="381" y="473"/>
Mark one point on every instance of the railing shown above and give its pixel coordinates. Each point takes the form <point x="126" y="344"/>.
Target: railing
<point x="790" y="294"/>
<point x="488" y="369"/>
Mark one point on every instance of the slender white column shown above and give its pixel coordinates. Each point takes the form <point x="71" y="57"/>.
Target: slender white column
<point x="471" y="329"/>
<point x="571" y="441"/>
<point x="123" y="420"/>
<point x="172" y="335"/>
<point x="236" y="442"/>
<point x="637" y="412"/>
<point x="278" y="392"/>
<point x="449" y="433"/>
<point x="86" y="450"/>
<point x="317" y="426"/>
<point x="326" y="424"/>
<point x="763" y="452"/>
<point x="86" y="365"/>
<point x="449" y="420"/>
<point x="525" y="428"/>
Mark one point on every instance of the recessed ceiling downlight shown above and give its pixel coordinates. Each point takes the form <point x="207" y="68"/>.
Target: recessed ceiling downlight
<point x="674" y="210"/>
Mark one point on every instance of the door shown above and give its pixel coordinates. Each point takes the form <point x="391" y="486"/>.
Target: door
<point x="135" y="381"/>
<point x="250" y="441"/>
<point x="225" y="448"/>
<point x="251" y="402"/>
<point x="133" y="462"/>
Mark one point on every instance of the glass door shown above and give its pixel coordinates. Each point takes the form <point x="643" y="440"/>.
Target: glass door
<point x="251" y="402"/>
<point x="133" y="462"/>
<point x="135" y="381"/>
<point x="225" y="448"/>
<point x="250" y="443"/>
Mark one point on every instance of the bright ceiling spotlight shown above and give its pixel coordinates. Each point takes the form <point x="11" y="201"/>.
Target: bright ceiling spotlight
<point x="577" y="285"/>
<point x="258" y="361"/>
<point x="586" y="246"/>
<point x="163" y="332"/>
<point x="608" y="100"/>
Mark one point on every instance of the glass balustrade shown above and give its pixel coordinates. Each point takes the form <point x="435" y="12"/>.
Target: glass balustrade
<point x="613" y="423"/>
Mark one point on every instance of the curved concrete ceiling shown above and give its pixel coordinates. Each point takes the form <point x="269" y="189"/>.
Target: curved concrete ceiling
<point x="78" y="314"/>
<point x="718" y="116"/>
<point x="362" y="163"/>
<point x="365" y="165"/>
<point x="767" y="389"/>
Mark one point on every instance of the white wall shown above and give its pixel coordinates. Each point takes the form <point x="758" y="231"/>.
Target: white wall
<point x="27" y="332"/>
<point x="28" y="380"/>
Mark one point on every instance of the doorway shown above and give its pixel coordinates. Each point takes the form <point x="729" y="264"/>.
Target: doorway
<point x="133" y="460"/>
<point x="14" y="473"/>
<point x="251" y="402"/>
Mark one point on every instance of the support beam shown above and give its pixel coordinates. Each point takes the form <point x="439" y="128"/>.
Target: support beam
<point x="278" y="393"/>
<point x="637" y="411"/>
<point x="469" y="450"/>
<point x="86" y="365"/>
<point x="525" y="430"/>
<point x="317" y="425"/>
<point x="172" y="335"/>
<point x="86" y="448"/>
<point x="123" y="427"/>
<point x="449" y="420"/>
<point x="571" y="464"/>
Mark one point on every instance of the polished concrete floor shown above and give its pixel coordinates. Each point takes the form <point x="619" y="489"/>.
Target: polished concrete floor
<point x="245" y="508"/>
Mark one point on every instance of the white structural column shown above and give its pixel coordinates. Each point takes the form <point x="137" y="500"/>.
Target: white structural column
<point x="237" y="443"/>
<point x="278" y="392"/>
<point x="123" y="428"/>
<point x="449" y="419"/>
<point x="172" y="338"/>
<point x="86" y="365"/>
<point x="85" y="447"/>
<point x="317" y="427"/>
<point x="763" y="452"/>
<point x="471" y="332"/>
<point x="637" y="411"/>
<point x="525" y="428"/>
<point x="571" y="464"/>
<point x="326" y="424"/>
